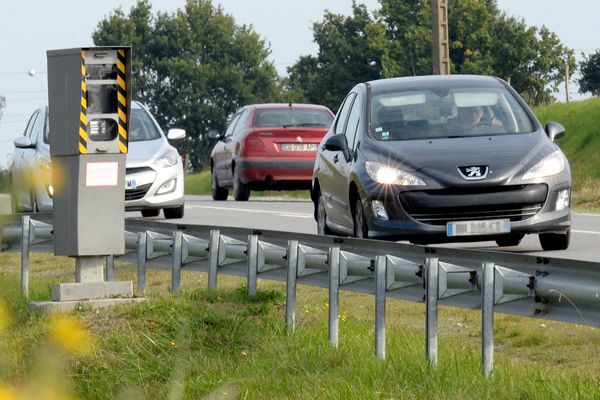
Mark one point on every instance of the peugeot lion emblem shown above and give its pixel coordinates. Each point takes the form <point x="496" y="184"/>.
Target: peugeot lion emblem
<point x="473" y="172"/>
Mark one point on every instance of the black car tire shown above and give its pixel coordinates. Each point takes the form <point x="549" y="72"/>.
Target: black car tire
<point x="555" y="241"/>
<point x="361" y="230"/>
<point x="241" y="191"/>
<point x="218" y="193"/>
<point x="174" y="213"/>
<point x="154" y="212"/>
<point x="322" y="228"/>
<point x="510" y="240"/>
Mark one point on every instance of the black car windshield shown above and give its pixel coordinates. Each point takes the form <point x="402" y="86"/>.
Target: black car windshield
<point x="447" y="113"/>
<point x="142" y="127"/>
<point x="286" y="117"/>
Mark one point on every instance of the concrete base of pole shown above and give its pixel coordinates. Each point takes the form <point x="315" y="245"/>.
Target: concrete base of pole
<point x="53" y="307"/>
<point x="91" y="290"/>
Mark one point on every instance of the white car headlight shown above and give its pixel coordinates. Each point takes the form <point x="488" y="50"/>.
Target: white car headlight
<point x="552" y="164"/>
<point x="387" y="175"/>
<point x="168" y="159"/>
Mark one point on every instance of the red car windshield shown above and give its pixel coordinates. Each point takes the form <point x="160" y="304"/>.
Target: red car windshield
<point x="286" y="117"/>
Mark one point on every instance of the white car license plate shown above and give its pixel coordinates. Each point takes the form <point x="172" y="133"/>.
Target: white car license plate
<point x="130" y="184"/>
<point x="299" y="147"/>
<point x="474" y="228"/>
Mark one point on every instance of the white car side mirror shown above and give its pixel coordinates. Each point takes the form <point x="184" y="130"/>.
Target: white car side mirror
<point x="175" y="133"/>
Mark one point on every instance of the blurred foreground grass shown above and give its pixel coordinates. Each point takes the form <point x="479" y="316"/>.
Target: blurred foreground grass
<point x="224" y="345"/>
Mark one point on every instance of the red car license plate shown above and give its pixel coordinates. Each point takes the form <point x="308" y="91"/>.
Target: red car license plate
<point x="299" y="147"/>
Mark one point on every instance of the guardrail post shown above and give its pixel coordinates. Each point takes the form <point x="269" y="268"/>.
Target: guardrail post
<point x="380" y="295"/>
<point x="25" y="237"/>
<point x="213" y="259"/>
<point x="431" y="326"/>
<point x="176" y="261"/>
<point x="334" y="292"/>
<point x="110" y="268"/>
<point x="141" y="281"/>
<point x="487" y="318"/>
<point x="252" y="264"/>
<point x="290" y="290"/>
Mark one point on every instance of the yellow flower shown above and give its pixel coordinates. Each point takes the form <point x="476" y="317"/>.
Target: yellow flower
<point x="173" y="344"/>
<point x="4" y="318"/>
<point x="8" y="393"/>
<point x="68" y="333"/>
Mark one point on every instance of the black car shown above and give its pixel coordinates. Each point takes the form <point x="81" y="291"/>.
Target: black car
<point x="440" y="159"/>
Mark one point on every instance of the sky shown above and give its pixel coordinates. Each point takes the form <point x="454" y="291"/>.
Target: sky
<point x="26" y="32"/>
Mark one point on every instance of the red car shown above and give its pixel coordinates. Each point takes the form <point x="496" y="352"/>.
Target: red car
<point x="267" y="147"/>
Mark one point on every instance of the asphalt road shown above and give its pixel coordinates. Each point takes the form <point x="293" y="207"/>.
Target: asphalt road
<point x="297" y="216"/>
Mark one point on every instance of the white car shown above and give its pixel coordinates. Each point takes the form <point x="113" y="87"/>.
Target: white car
<point x="154" y="170"/>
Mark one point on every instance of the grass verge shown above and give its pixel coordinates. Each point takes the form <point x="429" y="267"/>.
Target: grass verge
<point x="224" y="345"/>
<point x="199" y="184"/>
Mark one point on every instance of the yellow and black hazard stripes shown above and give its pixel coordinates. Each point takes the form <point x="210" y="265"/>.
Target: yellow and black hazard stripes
<point x="122" y="100"/>
<point x="83" y="136"/>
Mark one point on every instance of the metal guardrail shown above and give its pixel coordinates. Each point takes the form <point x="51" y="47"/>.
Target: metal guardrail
<point x="547" y="288"/>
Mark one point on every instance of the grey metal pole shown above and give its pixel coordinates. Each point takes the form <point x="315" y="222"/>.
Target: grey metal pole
<point x="142" y="240"/>
<point x="110" y="268"/>
<point x="440" y="56"/>
<point x="290" y="290"/>
<point x="176" y="261"/>
<point x="487" y="318"/>
<point x="380" y="287"/>
<point x="252" y="264"/>
<point x="213" y="258"/>
<point x="431" y="326"/>
<point x="25" y="237"/>
<point x="334" y="292"/>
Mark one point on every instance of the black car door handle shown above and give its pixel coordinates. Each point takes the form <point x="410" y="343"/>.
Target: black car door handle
<point x="336" y="158"/>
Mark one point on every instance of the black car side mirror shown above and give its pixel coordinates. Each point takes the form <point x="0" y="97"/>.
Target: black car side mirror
<point x="554" y="130"/>
<point x="338" y="143"/>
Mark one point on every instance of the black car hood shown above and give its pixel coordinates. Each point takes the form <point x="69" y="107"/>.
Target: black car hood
<point x="438" y="159"/>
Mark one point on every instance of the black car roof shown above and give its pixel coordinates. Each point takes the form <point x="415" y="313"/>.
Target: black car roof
<point x="433" y="81"/>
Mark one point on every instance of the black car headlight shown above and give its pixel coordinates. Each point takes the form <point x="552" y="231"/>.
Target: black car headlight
<point x="552" y="164"/>
<point x="387" y="175"/>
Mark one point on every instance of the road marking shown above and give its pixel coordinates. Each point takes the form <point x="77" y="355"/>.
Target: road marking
<point x="585" y="232"/>
<point x="282" y="213"/>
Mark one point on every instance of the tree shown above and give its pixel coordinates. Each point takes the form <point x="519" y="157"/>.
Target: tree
<point x="398" y="42"/>
<point x="193" y="67"/>
<point x="590" y="74"/>
<point x="350" y="51"/>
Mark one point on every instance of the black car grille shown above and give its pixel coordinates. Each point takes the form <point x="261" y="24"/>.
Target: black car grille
<point x="137" y="193"/>
<point x="438" y="207"/>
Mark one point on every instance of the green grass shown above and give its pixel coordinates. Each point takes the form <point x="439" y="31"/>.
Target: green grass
<point x="224" y="345"/>
<point x="199" y="184"/>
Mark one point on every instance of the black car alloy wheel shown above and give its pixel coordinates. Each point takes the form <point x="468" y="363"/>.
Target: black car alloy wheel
<point x="322" y="228"/>
<point x="361" y="229"/>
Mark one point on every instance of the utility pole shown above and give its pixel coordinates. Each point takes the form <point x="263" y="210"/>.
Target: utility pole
<point x="441" y="55"/>
<point x="567" y="78"/>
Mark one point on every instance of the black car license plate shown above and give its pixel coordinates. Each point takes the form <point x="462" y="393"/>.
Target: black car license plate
<point x="475" y="228"/>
